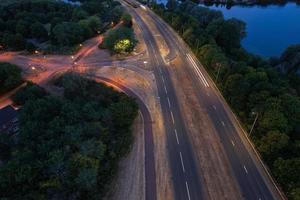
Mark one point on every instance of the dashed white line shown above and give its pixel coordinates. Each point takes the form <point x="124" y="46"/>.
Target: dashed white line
<point x="169" y="102"/>
<point x="208" y="94"/>
<point x="223" y="123"/>
<point x="232" y="142"/>
<point x="165" y="89"/>
<point x="176" y="136"/>
<point x="187" y="190"/>
<point x="214" y="107"/>
<point x="245" y="169"/>
<point x="163" y="79"/>
<point x="172" y="116"/>
<point x="182" y="165"/>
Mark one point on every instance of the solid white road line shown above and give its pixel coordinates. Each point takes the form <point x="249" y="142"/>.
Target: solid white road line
<point x="182" y="165"/>
<point x="163" y="79"/>
<point x="245" y="169"/>
<point x="176" y="136"/>
<point x="232" y="143"/>
<point x="172" y="117"/>
<point x="187" y="190"/>
<point x="223" y="123"/>
<point x="198" y="70"/>
<point x="169" y="102"/>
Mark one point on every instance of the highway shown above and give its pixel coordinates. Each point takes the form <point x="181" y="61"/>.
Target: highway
<point x="184" y="171"/>
<point x="252" y="179"/>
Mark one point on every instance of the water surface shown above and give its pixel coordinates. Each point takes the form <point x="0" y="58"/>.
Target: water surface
<point x="270" y="29"/>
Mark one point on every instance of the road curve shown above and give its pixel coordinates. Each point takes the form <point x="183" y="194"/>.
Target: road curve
<point x="150" y="176"/>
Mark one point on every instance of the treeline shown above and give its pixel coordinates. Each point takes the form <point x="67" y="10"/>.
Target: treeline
<point x="67" y="147"/>
<point x="251" y="85"/>
<point x="53" y="25"/>
<point x="10" y="77"/>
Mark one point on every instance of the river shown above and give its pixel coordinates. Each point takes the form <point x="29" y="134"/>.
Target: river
<point x="270" y="29"/>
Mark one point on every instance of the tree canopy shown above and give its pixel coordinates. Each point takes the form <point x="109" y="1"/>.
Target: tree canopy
<point x="68" y="147"/>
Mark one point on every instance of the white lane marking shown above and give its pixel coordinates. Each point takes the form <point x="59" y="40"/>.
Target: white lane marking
<point x="214" y="107"/>
<point x="187" y="190"/>
<point x="182" y="165"/>
<point x="245" y="169"/>
<point x="198" y="70"/>
<point x="176" y="136"/>
<point x="165" y="89"/>
<point x="232" y="143"/>
<point x="223" y="123"/>
<point x="208" y="94"/>
<point x="160" y="70"/>
<point x="169" y="102"/>
<point x="163" y="79"/>
<point x="172" y="117"/>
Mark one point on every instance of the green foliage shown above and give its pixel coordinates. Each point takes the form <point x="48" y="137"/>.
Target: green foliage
<point x="30" y="92"/>
<point x="68" y="34"/>
<point x="46" y="20"/>
<point x="120" y="40"/>
<point x="68" y="145"/>
<point x="10" y="77"/>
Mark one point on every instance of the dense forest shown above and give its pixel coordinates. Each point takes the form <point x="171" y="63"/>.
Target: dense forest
<point x="68" y="146"/>
<point x="54" y="25"/>
<point x="10" y="77"/>
<point x="254" y="87"/>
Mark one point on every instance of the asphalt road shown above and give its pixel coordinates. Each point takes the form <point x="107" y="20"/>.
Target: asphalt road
<point x="185" y="176"/>
<point x="249" y="173"/>
<point x="253" y="182"/>
<point x="150" y="175"/>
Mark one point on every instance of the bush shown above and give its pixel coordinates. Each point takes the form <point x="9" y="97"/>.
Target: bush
<point x="30" y="92"/>
<point x="120" y="40"/>
<point x="10" y="77"/>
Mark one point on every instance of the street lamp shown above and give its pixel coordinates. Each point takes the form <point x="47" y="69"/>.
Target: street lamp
<point x="36" y="51"/>
<point x="253" y="125"/>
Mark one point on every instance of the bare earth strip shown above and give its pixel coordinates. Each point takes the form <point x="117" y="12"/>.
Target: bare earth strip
<point x="145" y="87"/>
<point x="131" y="169"/>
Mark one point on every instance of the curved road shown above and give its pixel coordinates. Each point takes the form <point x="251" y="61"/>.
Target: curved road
<point x="150" y="177"/>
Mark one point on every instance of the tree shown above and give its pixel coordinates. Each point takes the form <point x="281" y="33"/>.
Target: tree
<point x="120" y="40"/>
<point x="227" y="33"/>
<point x="10" y="76"/>
<point x="287" y="172"/>
<point x="30" y="92"/>
<point x="271" y="144"/>
<point x="22" y="28"/>
<point x="38" y="31"/>
<point x="12" y="41"/>
<point x="68" y="33"/>
<point x="127" y="20"/>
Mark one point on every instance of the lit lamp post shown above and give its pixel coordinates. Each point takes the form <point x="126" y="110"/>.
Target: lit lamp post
<point x="253" y="125"/>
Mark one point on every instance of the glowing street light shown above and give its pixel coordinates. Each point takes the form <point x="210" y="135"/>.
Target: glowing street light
<point x="80" y="45"/>
<point x="72" y="57"/>
<point x="145" y="62"/>
<point x="33" y="68"/>
<point x="36" y="51"/>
